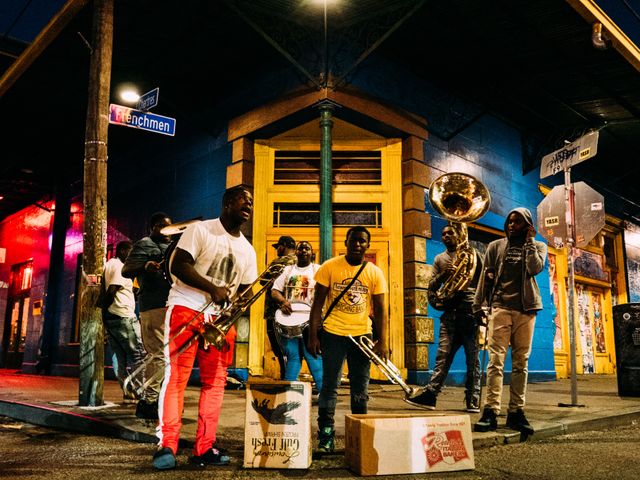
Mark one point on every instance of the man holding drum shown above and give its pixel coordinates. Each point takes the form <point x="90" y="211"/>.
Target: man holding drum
<point x="293" y="293"/>
<point x="285" y="246"/>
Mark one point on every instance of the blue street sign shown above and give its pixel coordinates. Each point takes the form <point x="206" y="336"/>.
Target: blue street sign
<point x="129" y="117"/>
<point x="148" y="100"/>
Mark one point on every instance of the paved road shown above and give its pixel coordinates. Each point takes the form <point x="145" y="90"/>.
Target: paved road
<point x="31" y="452"/>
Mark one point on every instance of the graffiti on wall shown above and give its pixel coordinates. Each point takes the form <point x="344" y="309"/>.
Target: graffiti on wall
<point x="598" y="325"/>
<point x="633" y="268"/>
<point x="553" y="284"/>
<point x="586" y="333"/>
<point x="589" y="264"/>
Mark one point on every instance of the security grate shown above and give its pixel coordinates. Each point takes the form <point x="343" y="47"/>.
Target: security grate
<point x="344" y="214"/>
<point x="360" y="167"/>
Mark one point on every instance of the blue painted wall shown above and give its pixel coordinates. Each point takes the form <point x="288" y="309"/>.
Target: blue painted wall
<point x="487" y="148"/>
<point x="185" y="175"/>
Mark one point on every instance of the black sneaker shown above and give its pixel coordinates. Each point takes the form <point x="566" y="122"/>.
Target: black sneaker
<point x="213" y="456"/>
<point x="488" y="421"/>
<point x="426" y="399"/>
<point x="517" y="421"/>
<point x="472" y="405"/>
<point x="164" y="459"/>
<point x="146" y="410"/>
<point x="326" y="440"/>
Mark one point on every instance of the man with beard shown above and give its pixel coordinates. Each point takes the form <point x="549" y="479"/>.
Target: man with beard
<point x="292" y="290"/>
<point x="457" y="328"/>
<point x="212" y="262"/>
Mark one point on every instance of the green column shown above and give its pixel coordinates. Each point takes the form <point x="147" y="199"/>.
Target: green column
<point x="326" y="220"/>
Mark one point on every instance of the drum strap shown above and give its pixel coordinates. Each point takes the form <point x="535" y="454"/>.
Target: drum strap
<point x="337" y="299"/>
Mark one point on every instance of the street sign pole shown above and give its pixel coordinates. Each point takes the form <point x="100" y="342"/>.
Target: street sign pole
<point x="578" y="229"/>
<point x="570" y="219"/>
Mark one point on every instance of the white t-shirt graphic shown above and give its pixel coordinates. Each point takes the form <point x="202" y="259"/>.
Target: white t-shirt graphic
<point x="220" y="257"/>
<point x="297" y="283"/>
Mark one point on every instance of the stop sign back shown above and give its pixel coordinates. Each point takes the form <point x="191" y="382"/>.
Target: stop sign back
<point x="589" y="215"/>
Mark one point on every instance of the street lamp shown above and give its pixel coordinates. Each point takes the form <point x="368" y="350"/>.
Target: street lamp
<point x="128" y="93"/>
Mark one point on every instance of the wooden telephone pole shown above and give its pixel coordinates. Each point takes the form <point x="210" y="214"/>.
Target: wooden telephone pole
<point x="95" y="207"/>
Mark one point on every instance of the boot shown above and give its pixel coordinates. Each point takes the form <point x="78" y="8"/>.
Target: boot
<point x="517" y="421"/>
<point x="326" y="440"/>
<point x="488" y="421"/>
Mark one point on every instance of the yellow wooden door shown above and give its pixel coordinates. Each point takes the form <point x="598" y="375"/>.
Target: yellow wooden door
<point x="378" y="253"/>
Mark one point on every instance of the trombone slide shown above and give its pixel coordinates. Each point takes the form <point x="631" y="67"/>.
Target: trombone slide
<point x="365" y="344"/>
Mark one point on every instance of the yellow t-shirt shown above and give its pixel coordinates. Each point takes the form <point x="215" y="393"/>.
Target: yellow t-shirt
<point x="351" y="315"/>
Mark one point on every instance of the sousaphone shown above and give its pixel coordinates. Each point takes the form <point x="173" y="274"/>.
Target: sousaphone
<point x="459" y="198"/>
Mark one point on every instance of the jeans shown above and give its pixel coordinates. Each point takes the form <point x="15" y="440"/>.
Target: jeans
<point x="124" y="338"/>
<point x="294" y="349"/>
<point x="515" y="328"/>
<point x="457" y="329"/>
<point x="335" y="348"/>
<point x="152" y="322"/>
<point x="275" y="344"/>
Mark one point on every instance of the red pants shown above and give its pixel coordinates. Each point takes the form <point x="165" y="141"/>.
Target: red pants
<point x="213" y="376"/>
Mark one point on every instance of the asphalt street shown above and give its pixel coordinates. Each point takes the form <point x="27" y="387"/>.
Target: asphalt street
<point x="32" y="452"/>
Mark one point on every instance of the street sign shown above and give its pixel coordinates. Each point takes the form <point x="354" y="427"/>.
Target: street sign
<point x="578" y="151"/>
<point x="129" y="117"/>
<point x="148" y="100"/>
<point x="588" y="210"/>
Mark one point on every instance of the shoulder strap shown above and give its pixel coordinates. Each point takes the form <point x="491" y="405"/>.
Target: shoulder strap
<point x="337" y="299"/>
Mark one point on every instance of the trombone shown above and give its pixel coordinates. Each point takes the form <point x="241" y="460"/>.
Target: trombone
<point x="365" y="344"/>
<point x="214" y="332"/>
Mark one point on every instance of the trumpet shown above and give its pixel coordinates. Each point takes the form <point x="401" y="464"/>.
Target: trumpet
<point x="365" y="344"/>
<point x="214" y="332"/>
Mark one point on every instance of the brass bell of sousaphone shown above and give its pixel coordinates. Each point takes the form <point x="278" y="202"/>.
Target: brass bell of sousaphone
<point x="460" y="198"/>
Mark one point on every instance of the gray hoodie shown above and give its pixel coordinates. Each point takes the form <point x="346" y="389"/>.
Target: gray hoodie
<point x="533" y="257"/>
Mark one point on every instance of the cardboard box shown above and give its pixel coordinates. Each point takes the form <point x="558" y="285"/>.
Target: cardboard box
<point x="390" y="444"/>
<point x="277" y="430"/>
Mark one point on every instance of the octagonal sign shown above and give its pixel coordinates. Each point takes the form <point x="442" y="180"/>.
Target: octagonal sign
<point x="589" y="215"/>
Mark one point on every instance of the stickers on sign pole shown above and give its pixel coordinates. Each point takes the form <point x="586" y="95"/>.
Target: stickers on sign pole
<point x="577" y="151"/>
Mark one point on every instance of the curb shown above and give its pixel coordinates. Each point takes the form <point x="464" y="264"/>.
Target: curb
<point x="487" y="440"/>
<point x="74" y="422"/>
<point x="70" y="421"/>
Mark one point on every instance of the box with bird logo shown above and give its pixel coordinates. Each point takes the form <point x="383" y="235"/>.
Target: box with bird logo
<point x="277" y="430"/>
<point x="384" y="444"/>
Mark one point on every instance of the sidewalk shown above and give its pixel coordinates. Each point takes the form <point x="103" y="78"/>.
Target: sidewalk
<point x="49" y="401"/>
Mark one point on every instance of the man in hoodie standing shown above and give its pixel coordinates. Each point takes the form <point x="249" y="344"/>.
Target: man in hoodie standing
<point x="509" y="288"/>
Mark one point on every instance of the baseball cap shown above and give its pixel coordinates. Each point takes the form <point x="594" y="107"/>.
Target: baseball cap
<point x="286" y="241"/>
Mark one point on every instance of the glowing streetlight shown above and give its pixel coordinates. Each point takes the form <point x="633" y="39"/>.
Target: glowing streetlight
<point x="129" y="96"/>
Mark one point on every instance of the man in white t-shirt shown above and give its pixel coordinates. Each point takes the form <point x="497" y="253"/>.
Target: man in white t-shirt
<point x="212" y="262"/>
<point x="120" y="320"/>
<point x="293" y="294"/>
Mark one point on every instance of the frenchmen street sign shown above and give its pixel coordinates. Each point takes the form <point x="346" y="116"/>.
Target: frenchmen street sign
<point x="129" y="117"/>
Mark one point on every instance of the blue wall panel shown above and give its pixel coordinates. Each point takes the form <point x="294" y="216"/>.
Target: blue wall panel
<point x="487" y="148"/>
<point x="186" y="175"/>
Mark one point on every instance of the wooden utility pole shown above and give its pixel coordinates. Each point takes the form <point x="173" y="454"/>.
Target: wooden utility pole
<point x="95" y="207"/>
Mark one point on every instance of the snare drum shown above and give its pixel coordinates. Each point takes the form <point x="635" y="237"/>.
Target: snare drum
<point x="291" y="326"/>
